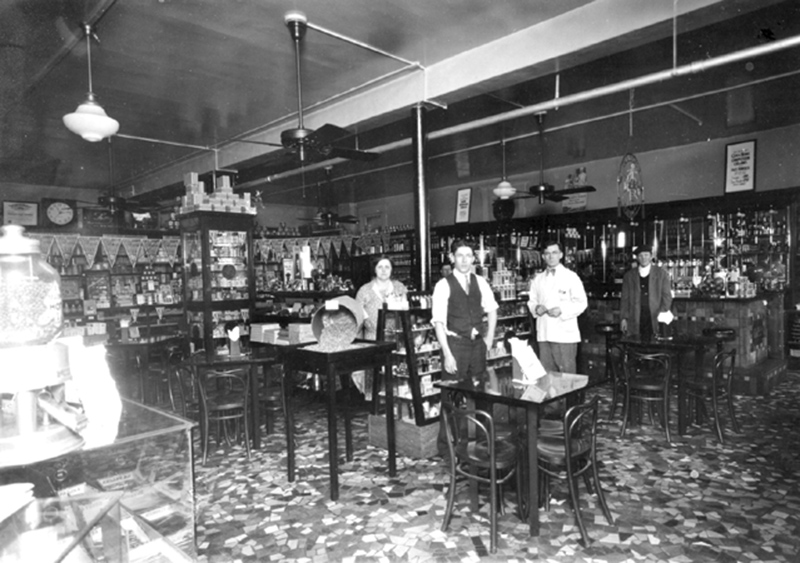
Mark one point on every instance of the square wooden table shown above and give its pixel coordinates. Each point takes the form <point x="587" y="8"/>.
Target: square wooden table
<point x="257" y="357"/>
<point x="361" y="355"/>
<point x="680" y="345"/>
<point x="553" y="385"/>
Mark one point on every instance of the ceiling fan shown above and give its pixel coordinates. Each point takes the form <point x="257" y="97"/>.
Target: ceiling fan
<point x="324" y="217"/>
<point x="543" y="190"/>
<point x="111" y="209"/>
<point x="309" y="145"/>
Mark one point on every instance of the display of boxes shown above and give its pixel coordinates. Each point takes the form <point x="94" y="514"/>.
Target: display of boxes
<point x="268" y="333"/>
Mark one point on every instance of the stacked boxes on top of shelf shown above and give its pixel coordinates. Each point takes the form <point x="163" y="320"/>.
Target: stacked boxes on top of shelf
<point x="222" y="200"/>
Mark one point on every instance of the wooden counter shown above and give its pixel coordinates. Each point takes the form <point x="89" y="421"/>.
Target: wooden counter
<point x="758" y="321"/>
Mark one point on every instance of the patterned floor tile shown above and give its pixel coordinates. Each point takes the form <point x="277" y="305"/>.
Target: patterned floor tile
<point x="692" y="501"/>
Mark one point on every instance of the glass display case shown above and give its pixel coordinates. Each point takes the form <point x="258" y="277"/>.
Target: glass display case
<point x="93" y="527"/>
<point x="219" y="283"/>
<point x="150" y="464"/>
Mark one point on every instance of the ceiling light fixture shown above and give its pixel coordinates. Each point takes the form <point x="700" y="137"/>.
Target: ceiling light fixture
<point x="90" y="120"/>
<point x="504" y="189"/>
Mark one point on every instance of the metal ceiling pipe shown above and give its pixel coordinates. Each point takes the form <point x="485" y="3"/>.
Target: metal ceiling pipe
<point x="422" y="222"/>
<point x="648" y="79"/>
<point x="363" y="45"/>
<point x="613" y="115"/>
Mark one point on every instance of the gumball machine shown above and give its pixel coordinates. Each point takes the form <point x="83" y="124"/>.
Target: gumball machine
<point x="35" y="421"/>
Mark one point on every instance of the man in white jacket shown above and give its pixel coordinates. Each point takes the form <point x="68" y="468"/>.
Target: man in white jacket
<point x="556" y="300"/>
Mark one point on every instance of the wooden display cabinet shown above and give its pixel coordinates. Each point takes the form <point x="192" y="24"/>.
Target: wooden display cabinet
<point x="219" y="284"/>
<point x="417" y="364"/>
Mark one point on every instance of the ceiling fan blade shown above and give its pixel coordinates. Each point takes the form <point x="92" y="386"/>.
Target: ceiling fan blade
<point x="555" y="197"/>
<point x="328" y="134"/>
<point x="352" y="154"/>
<point x="352" y="219"/>
<point x="577" y="190"/>
<point x="535" y="190"/>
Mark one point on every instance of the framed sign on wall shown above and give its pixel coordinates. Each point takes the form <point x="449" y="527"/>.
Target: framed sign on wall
<point x="740" y="167"/>
<point x="462" y="205"/>
<point x="23" y="213"/>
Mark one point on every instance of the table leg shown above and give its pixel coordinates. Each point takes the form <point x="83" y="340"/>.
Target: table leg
<point x="532" y="414"/>
<point x="699" y="360"/>
<point x="333" y="456"/>
<point x="348" y="416"/>
<point x="390" y="436"/>
<point x="145" y="367"/>
<point x="255" y="412"/>
<point x="288" y="378"/>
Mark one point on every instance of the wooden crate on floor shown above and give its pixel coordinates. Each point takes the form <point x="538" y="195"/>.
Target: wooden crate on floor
<point x="410" y="440"/>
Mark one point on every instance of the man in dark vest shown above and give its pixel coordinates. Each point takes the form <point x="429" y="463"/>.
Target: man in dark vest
<point x="460" y="302"/>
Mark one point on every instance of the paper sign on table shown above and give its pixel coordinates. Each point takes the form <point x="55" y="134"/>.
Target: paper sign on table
<point x="532" y="369"/>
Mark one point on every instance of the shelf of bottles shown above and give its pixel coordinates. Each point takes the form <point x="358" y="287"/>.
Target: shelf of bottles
<point x="397" y="243"/>
<point x="727" y="254"/>
<point x="97" y="292"/>
<point x="740" y="252"/>
<point x="295" y="269"/>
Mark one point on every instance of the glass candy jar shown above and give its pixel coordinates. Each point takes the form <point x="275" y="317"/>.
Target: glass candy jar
<point x="30" y="291"/>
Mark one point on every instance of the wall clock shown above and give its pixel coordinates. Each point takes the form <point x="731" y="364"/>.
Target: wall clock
<point x="59" y="213"/>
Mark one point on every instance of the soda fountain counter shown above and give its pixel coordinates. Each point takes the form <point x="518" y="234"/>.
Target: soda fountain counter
<point x="758" y="321"/>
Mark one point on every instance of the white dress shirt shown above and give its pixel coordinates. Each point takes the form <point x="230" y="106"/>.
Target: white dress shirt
<point x="560" y="288"/>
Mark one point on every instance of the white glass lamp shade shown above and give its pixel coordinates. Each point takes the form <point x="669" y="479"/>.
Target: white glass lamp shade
<point x="91" y="122"/>
<point x="504" y="190"/>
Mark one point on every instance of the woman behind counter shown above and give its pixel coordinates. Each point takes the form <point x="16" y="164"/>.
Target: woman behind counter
<point x="382" y="289"/>
<point x="372" y="295"/>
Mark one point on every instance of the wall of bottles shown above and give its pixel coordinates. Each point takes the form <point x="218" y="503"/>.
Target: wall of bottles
<point x="737" y="253"/>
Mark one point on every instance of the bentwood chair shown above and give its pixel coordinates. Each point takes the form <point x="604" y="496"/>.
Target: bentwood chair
<point x="271" y="396"/>
<point x="224" y="401"/>
<point x="615" y="358"/>
<point x="647" y="383"/>
<point x="183" y="395"/>
<point x="571" y="455"/>
<point x="716" y="388"/>
<point x="161" y="363"/>
<point x="478" y="455"/>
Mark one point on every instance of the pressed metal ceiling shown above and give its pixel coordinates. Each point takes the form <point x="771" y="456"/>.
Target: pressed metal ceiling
<point x="211" y="73"/>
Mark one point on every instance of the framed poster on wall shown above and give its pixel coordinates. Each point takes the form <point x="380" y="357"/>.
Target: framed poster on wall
<point x="20" y="213"/>
<point x="462" y="205"/>
<point x="740" y="167"/>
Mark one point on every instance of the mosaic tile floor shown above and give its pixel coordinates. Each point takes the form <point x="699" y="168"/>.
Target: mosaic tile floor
<point x="693" y="501"/>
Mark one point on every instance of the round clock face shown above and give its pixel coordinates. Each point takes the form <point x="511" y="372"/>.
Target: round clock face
<point x="60" y="213"/>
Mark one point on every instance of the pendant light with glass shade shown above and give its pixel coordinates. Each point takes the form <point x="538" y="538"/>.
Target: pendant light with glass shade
<point x="503" y="206"/>
<point x="504" y="189"/>
<point x="90" y="120"/>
